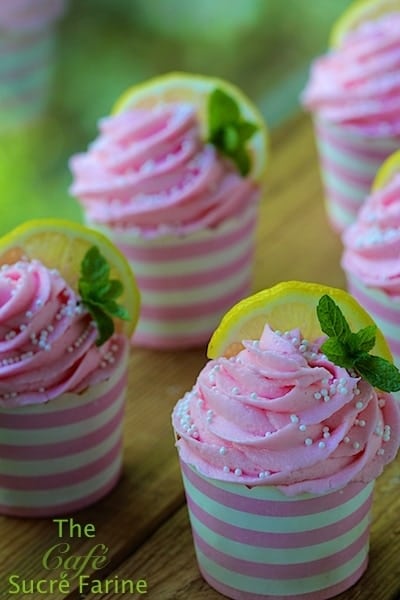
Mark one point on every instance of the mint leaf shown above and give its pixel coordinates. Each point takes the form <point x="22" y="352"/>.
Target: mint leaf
<point x="227" y="131"/>
<point x="378" y="372"/>
<point x="350" y="350"/>
<point x="99" y="293"/>
<point x="94" y="266"/>
<point x="331" y="318"/>
<point x="222" y="110"/>
<point x="366" y="338"/>
<point x="105" y="324"/>
<point x="334" y="349"/>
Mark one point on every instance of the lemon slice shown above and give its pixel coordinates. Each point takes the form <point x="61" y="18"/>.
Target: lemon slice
<point x="386" y="171"/>
<point x="360" y="12"/>
<point x="287" y="305"/>
<point x="195" y="90"/>
<point x="61" y="245"/>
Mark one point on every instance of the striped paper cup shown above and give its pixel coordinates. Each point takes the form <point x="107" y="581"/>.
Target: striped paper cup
<point x="383" y="308"/>
<point x="59" y="457"/>
<point x="258" y="544"/>
<point x="187" y="283"/>
<point x="26" y="69"/>
<point x="349" y="162"/>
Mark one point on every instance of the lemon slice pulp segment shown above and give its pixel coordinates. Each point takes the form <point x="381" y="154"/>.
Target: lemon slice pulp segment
<point x="287" y="305"/>
<point x="195" y="90"/>
<point x="61" y="244"/>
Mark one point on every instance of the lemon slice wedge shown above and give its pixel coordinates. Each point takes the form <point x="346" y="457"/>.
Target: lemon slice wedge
<point x="386" y="171"/>
<point x="195" y="90"/>
<point x="61" y="244"/>
<point x="287" y="305"/>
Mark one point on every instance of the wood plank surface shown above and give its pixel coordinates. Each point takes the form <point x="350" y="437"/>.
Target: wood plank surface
<point x="143" y="522"/>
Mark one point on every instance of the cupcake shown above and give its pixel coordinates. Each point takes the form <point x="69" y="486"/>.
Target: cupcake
<point x="63" y="368"/>
<point x="174" y="179"/>
<point x="280" y="445"/>
<point x="354" y="97"/>
<point x="371" y="256"/>
<point x="27" y="47"/>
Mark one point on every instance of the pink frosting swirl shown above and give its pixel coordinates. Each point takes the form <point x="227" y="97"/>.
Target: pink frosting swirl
<point x="29" y="15"/>
<point x="280" y="413"/>
<point x="47" y="339"/>
<point x="372" y="243"/>
<point x="150" y="170"/>
<point x="359" y="83"/>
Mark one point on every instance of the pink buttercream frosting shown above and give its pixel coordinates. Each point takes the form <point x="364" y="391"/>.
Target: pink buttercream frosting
<point x="372" y="243"/>
<point x="280" y="413"/>
<point x="358" y="84"/>
<point x="47" y="338"/>
<point x="151" y="171"/>
<point x="29" y="15"/>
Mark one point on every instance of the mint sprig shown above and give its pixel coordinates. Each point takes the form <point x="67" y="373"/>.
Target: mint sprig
<point x="351" y="350"/>
<point x="228" y="131"/>
<point x="99" y="293"/>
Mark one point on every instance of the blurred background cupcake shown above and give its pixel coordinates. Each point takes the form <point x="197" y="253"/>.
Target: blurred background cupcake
<point x="174" y="179"/>
<point x="27" y="53"/>
<point x="354" y="96"/>
<point x="371" y="258"/>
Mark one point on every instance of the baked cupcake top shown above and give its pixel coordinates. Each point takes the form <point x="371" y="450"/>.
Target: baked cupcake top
<point x="358" y="83"/>
<point x="372" y="243"/>
<point x="175" y="158"/>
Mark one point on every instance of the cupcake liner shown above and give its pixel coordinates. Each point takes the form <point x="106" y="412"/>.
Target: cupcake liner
<point x="59" y="457"/>
<point x="258" y="544"/>
<point x="348" y="162"/>
<point x="383" y="308"/>
<point x="26" y="68"/>
<point x="188" y="282"/>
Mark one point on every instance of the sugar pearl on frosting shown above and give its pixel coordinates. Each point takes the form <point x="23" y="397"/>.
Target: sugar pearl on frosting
<point x="321" y="444"/>
<point x="226" y="469"/>
<point x="294" y="418"/>
<point x="222" y="450"/>
<point x="359" y="405"/>
<point x="238" y="472"/>
<point x="302" y="427"/>
<point x="308" y="441"/>
<point x="253" y="395"/>
<point x="264" y="474"/>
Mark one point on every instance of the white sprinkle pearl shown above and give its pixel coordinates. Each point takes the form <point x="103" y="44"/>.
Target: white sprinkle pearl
<point x="238" y="472"/>
<point x="294" y="418"/>
<point x="223" y="450"/>
<point x="359" y="405"/>
<point x="235" y="390"/>
<point x="380" y="452"/>
<point x="346" y="439"/>
<point x="226" y="469"/>
<point x="302" y="427"/>
<point x="264" y="474"/>
<point x="321" y="444"/>
<point x="308" y="441"/>
<point x="253" y="396"/>
<point x="317" y="396"/>
<point x="356" y="445"/>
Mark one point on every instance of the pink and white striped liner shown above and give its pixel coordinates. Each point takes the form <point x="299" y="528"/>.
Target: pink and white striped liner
<point x="258" y="544"/>
<point x="383" y="308"/>
<point x="59" y="457"/>
<point x="187" y="283"/>
<point x="348" y="162"/>
<point x="27" y="57"/>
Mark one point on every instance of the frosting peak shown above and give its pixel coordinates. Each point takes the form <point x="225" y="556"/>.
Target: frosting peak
<point x="150" y="170"/>
<point x="47" y="338"/>
<point x="281" y="413"/>
<point x="359" y="83"/>
<point x="372" y="243"/>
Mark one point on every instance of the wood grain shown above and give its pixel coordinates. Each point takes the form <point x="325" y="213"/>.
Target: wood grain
<point x="143" y="521"/>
